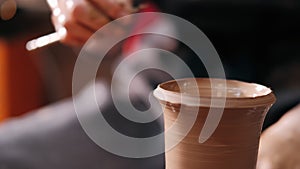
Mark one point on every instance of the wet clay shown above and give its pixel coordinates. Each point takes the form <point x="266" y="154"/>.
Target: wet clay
<point x="234" y="143"/>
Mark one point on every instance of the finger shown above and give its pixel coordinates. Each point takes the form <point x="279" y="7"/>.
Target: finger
<point x="89" y="16"/>
<point x="75" y="31"/>
<point x="112" y="8"/>
<point x="72" y="41"/>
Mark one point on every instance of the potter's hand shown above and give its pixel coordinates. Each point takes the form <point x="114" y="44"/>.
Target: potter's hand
<point x="280" y="144"/>
<point x="85" y="17"/>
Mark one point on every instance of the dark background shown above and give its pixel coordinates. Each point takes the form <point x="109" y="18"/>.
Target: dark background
<point x="258" y="41"/>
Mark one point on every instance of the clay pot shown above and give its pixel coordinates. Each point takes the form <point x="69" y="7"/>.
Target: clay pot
<point x="215" y="123"/>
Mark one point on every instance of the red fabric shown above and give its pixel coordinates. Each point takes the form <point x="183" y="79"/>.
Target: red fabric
<point x="141" y="23"/>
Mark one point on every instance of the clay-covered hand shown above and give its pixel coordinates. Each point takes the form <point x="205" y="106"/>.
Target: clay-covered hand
<point x="280" y="144"/>
<point x="82" y="18"/>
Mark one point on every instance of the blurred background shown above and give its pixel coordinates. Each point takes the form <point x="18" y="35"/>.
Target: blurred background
<point x="29" y="80"/>
<point x="258" y="41"/>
